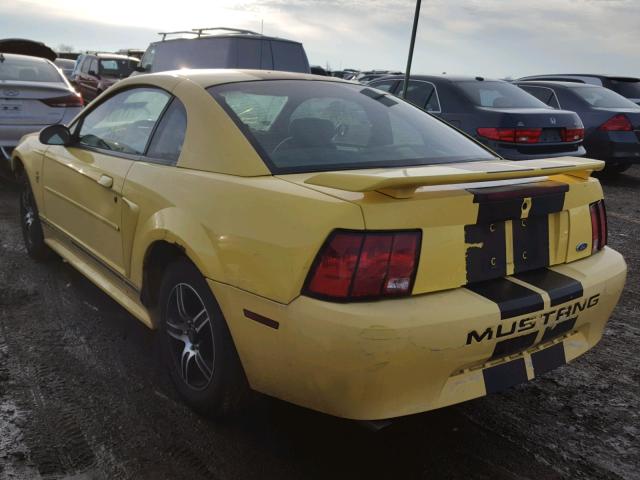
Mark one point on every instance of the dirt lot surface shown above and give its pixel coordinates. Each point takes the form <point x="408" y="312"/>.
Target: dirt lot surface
<point x="82" y="397"/>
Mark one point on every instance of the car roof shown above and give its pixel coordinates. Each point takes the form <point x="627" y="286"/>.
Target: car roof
<point x="448" y="78"/>
<point x="116" y="56"/>
<point x="17" y="56"/>
<point x="592" y="75"/>
<point x="557" y="83"/>
<point x="210" y="77"/>
<point x="224" y="35"/>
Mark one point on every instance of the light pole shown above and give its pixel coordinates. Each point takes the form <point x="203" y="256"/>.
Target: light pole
<point x="407" y="72"/>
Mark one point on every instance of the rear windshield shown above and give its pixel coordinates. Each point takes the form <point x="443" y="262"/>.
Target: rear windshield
<point x="115" y="67"/>
<point x="27" y="70"/>
<point x="497" y="94"/>
<point x="627" y="88"/>
<point x="601" y="97"/>
<point x="307" y="126"/>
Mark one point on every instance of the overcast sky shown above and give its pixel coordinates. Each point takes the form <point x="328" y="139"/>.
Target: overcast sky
<point x="479" y="37"/>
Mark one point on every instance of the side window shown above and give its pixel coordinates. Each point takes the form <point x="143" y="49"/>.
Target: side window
<point x="94" y="65"/>
<point x="422" y="94"/>
<point x="385" y="86"/>
<point x="350" y="122"/>
<point x="147" y="59"/>
<point x="545" y="95"/>
<point x="288" y="57"/>
<point x="124" y="122"/>
<point x="85" y="65"/>
<point x="168" y="138"/>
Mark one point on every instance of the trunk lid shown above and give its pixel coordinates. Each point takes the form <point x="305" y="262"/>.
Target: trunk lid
<point x="21" y="103"/>
<point x="479" y="220"/>
<point x="552" y="122"/>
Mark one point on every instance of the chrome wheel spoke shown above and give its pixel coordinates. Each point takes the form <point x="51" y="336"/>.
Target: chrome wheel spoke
<point x="180" y="303"/>
<point x="177" y="332"/>
<point x="206" y="370"/>
<point x="185" y="361"/>
<point x="200" y="320"/>
<point x="190" y="336"/>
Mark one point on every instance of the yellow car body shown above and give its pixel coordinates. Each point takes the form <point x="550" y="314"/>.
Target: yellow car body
<point x="254" y="236"/>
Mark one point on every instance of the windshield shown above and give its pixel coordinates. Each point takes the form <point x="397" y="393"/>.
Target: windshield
<point x="627" y="88"/>
<point x="120" y="68"/>
<point x="306" y="126"/>
<point x="498" y="94"/>
<point x="601" y="97"/>
<point x="28" y="70"/>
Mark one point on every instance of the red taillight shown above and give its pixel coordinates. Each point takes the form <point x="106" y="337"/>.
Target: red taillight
<point x="598" y="226"/>
<point x="617" y="123"/>
<point x="365" y="265"/>
<point x="511" y="135"/>
<point x="572" y="134"/>
<point x="71" y="100"/>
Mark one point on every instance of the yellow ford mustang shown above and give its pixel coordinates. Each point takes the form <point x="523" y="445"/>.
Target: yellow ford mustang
<point x="321" y="241"/>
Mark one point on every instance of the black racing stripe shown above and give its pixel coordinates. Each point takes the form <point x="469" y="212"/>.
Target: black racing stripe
<point x="490" y="259"/>
<point x="558" y="329"/>
<point x="512" y="299"/>
<point x="506" y="375"/>
<point x="513" y="345"/>
<point x="548" y="359"/>
<point x="560" y="288"/>
<point x="530" y="243"/>
<point x="506" y="202"/>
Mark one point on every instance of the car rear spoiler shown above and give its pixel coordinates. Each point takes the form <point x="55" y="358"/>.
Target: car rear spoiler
<point x="403" y="182"/>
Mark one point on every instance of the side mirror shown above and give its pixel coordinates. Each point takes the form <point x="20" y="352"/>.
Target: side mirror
<point x="139" y="68"/>
<point x="57" y="134"/>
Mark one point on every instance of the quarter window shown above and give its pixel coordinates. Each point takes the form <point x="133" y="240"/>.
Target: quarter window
<point x="422" y="95"/>
<point x="167" y="141"/>
<point x="124" y="122"/>
<point x="543" y="94"/>
<point x="386" y="86"/>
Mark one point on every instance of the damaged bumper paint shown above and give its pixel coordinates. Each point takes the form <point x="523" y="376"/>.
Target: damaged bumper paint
<point x="391" y="358"/>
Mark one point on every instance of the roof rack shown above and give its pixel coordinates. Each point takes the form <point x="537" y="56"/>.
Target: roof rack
<point x="199" y="31"/>
<point x="164" y="34"/>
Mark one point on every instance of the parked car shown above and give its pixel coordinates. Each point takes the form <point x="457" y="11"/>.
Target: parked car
<point x="379" y="262"/>
<point x="611" y="121"/>
<point x="95" y="72"/>
<point x="224" y="48"/>
<point x="33" y="94"/>
<point x="511" y="122"/>
<point x="66" y="65"/>
<point x="23" y="46"/>
<point x="628" y="87"/>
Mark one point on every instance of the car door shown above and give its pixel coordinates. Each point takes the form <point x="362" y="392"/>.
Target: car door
<point x="83" y="182"/>
<point x="92" y="80"/>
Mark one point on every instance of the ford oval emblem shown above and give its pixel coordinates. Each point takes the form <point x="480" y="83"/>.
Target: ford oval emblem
<point x="581" y="246"/>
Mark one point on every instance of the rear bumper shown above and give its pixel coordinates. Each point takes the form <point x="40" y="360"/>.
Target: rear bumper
<point x="618" y="147"/>
<point x="397" y="357"/>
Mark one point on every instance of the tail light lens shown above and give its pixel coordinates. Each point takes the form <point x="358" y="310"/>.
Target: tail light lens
<point x="598" y="226"/>
<point x="617" y="123"/>
<point x="512" y="135"/>
<point x="71" y="100"/>
<point x="572" y="134"/>
<point x="365" y="265"/>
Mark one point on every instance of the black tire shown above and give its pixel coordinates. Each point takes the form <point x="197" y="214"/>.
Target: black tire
<point x="30" y="222"/>
<point x="192" y="348"/>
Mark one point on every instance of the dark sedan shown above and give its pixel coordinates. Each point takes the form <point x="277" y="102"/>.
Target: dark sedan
<point x="612" y="122"/>
<point x="511" y="122"/>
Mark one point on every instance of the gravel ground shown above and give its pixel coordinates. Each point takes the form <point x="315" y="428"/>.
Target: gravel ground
<point x="81" y="397"/>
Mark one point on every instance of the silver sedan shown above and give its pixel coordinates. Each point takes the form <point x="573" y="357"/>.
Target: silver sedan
<point x="33" y="94"/>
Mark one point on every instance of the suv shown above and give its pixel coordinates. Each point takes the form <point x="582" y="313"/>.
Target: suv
<point x="628" y="87"/>
<point x="227" y="48"/>
<point x="95" y="72"/>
